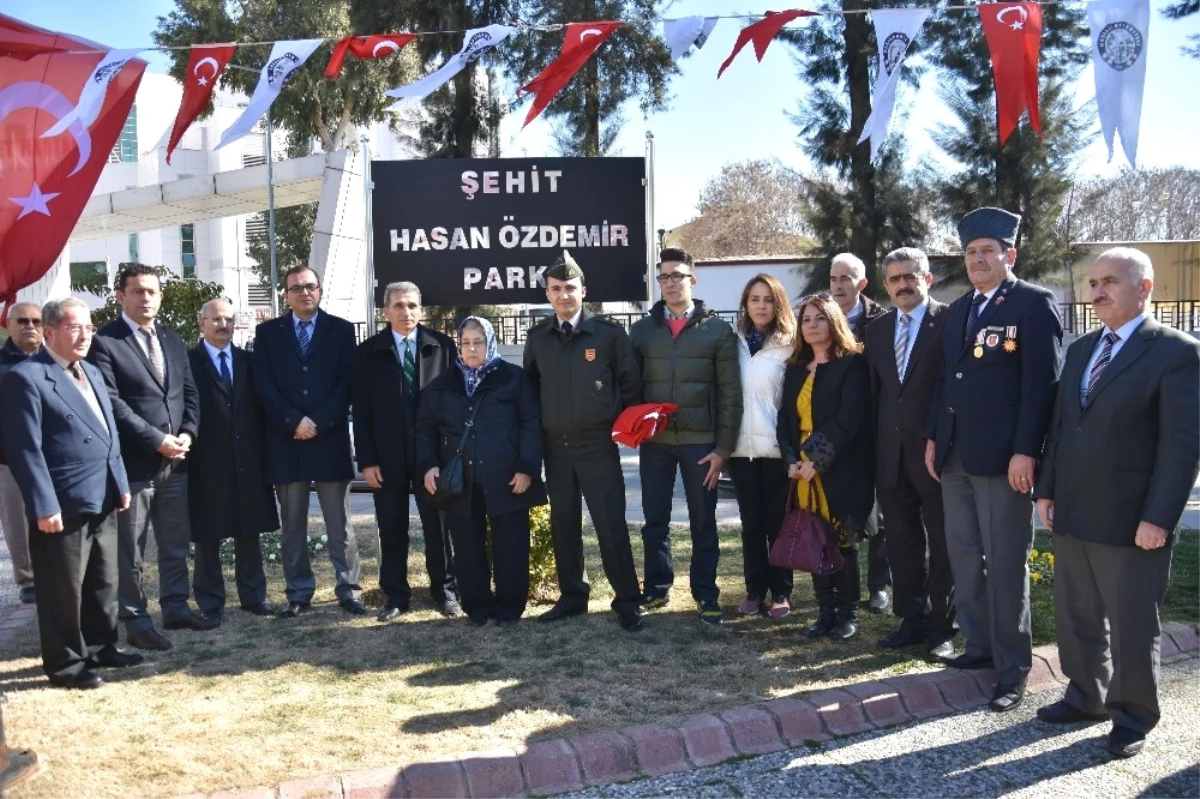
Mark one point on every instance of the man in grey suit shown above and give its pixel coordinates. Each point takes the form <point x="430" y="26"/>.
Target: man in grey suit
<point x="1122" y="455"/>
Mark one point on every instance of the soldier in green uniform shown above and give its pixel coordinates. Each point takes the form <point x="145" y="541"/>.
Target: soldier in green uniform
<point x="586" y="375"/>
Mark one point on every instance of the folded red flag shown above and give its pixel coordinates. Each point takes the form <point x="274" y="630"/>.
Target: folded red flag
<point x="1014" y="37"/>
<point x="762" y="32"/>
<point x="205" y="67"/>
<point x="368" y="48"/>
<point x="640" y="422"/>
<point x="581" y="40"/>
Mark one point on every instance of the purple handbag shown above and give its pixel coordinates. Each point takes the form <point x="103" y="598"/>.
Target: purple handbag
<point x="805" y="542"/>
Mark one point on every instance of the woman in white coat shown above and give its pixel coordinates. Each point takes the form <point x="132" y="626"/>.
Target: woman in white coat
<point x="766" y="332"/>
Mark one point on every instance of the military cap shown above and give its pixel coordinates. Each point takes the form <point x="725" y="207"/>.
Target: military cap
<point x="989" y="223"/>
<point x="564" y="268"/>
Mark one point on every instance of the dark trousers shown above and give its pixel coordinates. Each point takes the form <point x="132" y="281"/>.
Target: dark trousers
<point x="208" y="581"/>
<point x="658" y="464"/>
<point x="761" y="485"/>
<point x="76" y="574"/>
<point x="879" y="572"/>
<point x="509" y="561"/>
<point x="334" y="498"/>
<point x="590" y="472"/>
<point x="161" y="504"/>
<point x="391" y="514"/>
<point x="837" y="593"/>
<point x="923" y="593"/>
<point x="1106" y="608"/>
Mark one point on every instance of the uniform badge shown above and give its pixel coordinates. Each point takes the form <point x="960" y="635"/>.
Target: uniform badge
<point x="589" y="354"/>
<point x="1010" y="338"/>
<point x="978" y="351"/>
<point x="992" y="340"/>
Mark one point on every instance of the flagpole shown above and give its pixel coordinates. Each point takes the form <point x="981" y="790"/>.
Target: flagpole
<point x="368" y="240"/>
<point x="271" y="221"/>
<point x="651" y="253"/>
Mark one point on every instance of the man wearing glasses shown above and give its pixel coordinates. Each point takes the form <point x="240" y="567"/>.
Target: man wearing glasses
<point x="24" y="340"/>
<point x="686" y="355"/>
<point x="303" y="370"/>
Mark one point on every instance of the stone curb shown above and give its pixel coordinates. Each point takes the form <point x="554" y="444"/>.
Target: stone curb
<point x="567" y="764"/>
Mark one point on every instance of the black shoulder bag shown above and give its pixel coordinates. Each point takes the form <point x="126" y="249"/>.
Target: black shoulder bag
<point x="451" y="482"/>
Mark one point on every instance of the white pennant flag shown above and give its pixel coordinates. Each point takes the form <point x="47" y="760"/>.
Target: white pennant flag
<point x="285" y="59"/>
<point x="91" y="97"/>
<point x="1119" y="36"/>
<point x="894" y="32"/>
<point x="682" y="33"/>
<point x="476" y="42"/>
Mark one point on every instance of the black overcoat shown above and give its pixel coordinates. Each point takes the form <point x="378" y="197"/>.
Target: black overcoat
<point x="506" y="437"/>
<point x="840" y="446"/>
<point x="228" y="492"/>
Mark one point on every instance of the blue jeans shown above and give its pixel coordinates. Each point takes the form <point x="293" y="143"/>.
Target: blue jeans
<point x="657" y="466"/>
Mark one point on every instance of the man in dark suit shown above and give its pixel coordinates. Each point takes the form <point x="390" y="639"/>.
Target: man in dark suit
<point x="1121" y="458"/>
<point x="149" y="380"/>
<point x="303" y="371"/>
<point x="904" y="350"/>
<point x="61" y="442"/>
<point x="391" y="369"/>
<point x="847" y="279"/>
<point x="24" y="339"/>
<point x="987" y="425"/>
<point x="228" y="492"/>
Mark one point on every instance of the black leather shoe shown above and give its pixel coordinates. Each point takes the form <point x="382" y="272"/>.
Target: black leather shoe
<point x="907" y="635"/>
<point x="113" y="658"/>
<point x="29" y="595"/>
<point x="630" y="621"/>
<point x="1124" y="742"/>
<point x="879" y="602"/>
<point x="845" y="630"/>
<point x="389" y="613"/>
<point x="294" y="609"/>
<point x="1062" y="713"/>
<point x="965" y="661"/>
<point x="82" y="681"/>
<point x="478" y="621"/>
<point x="215" y="616"/>
<point x="191" y="621"/>
<point x="1007" y="697"/>
<point x="449" y="608"/>
<point x="561" y="611"/>
<point x="261" y="609"/>
<point x="940" y="653"/>
<point x="148" y="639"/>
<point x="823" y="625"/>
<point x="352" y="606"/>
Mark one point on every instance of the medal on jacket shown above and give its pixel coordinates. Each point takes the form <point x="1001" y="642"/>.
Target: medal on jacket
<point x="1010" y="339"/>
<point x="978" y="351"/>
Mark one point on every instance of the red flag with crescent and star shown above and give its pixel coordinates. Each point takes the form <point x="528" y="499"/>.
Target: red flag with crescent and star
<point x="1014" y="38"/>
<point x="204" y="69"/>
<point x="581" y="40"/>
<point x="52" y="146"/>
<point x="368" y="48"/>
<point x="762" y="32"/>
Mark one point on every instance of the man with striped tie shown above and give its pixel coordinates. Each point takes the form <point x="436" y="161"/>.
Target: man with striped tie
<point x="1121" y="458"/>
<point x="987" y="424"/>
<point x="390" y="370"/>
<point x="303" y="369"/>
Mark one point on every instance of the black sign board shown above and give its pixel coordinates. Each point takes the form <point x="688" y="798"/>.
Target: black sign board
<point x="478" y="231"/>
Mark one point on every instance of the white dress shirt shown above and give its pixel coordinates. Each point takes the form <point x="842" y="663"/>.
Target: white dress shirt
<point x="1124" y="331"/>
<point x="916" y="316"/>
<point x="141" y="340"/>
<point x="215" y="355"/>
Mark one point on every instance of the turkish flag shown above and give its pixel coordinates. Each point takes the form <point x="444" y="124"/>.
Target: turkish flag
<point x="205" y="67"/>
<point x="762" y="32"/>
<point x="1014" y="38"/>
<point x="45" y="182"/>
<point x="367" y="48"/>
<point x="580" y="42"/>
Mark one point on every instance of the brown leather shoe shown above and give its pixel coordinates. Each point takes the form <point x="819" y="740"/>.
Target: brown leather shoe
<point x="148" y="639"/>
<point x="192" y="621"/>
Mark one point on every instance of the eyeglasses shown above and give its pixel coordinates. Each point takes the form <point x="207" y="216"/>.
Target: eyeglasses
<point x="28" y="321"/>
<point x="675" y="278"/>
<point x="301" y="288"/>
<point x="75" y="330"/>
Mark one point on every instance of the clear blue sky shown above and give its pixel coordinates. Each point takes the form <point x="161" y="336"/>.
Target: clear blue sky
<point x="742" y="115"/>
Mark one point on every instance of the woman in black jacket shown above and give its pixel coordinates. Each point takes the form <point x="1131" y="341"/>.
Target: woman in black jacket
<point x="502" y="460"/>
<point x="824" y="436"/>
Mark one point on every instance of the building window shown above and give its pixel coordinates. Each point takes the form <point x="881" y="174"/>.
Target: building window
<point x="187" y="247"/>
<point x="126" y="149"/>
<point x="134" y="258"/>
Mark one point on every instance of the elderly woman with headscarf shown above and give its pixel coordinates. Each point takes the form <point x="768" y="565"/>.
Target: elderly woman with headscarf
<point x="502" y="466"/>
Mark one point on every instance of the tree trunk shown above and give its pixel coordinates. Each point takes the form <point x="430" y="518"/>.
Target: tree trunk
<point x="591" y="109"/>
<point x="866" y="221"/>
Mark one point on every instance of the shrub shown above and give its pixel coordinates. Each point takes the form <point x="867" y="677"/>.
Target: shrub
<point x="1041" y="567"/>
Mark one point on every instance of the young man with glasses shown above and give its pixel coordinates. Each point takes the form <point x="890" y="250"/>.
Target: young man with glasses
<point x="24" y="340"/>
<point x="688" y="356"/>
<point x="303" y="370"/>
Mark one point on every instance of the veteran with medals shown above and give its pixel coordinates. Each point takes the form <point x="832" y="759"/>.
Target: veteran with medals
<point x="986" y="429"/>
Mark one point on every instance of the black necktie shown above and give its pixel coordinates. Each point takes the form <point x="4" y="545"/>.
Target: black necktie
<point x="226" y="375"/>
<point x="973" y="318"/>
<point x="566" y="328"/>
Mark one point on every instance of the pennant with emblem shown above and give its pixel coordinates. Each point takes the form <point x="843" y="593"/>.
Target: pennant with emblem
<point x="285" y="59"/>
<point x="894" y="31"/>
<point x="1119" y="38"/>
<point x="476" y="42"/>
<point x="762" y="33"/>
<point x="366" y="48"/>
<point x="1014" y="38"/>
<point x="205" y="67"/>
<point x="582" y="39"/>
<point x="680" y="34"/>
